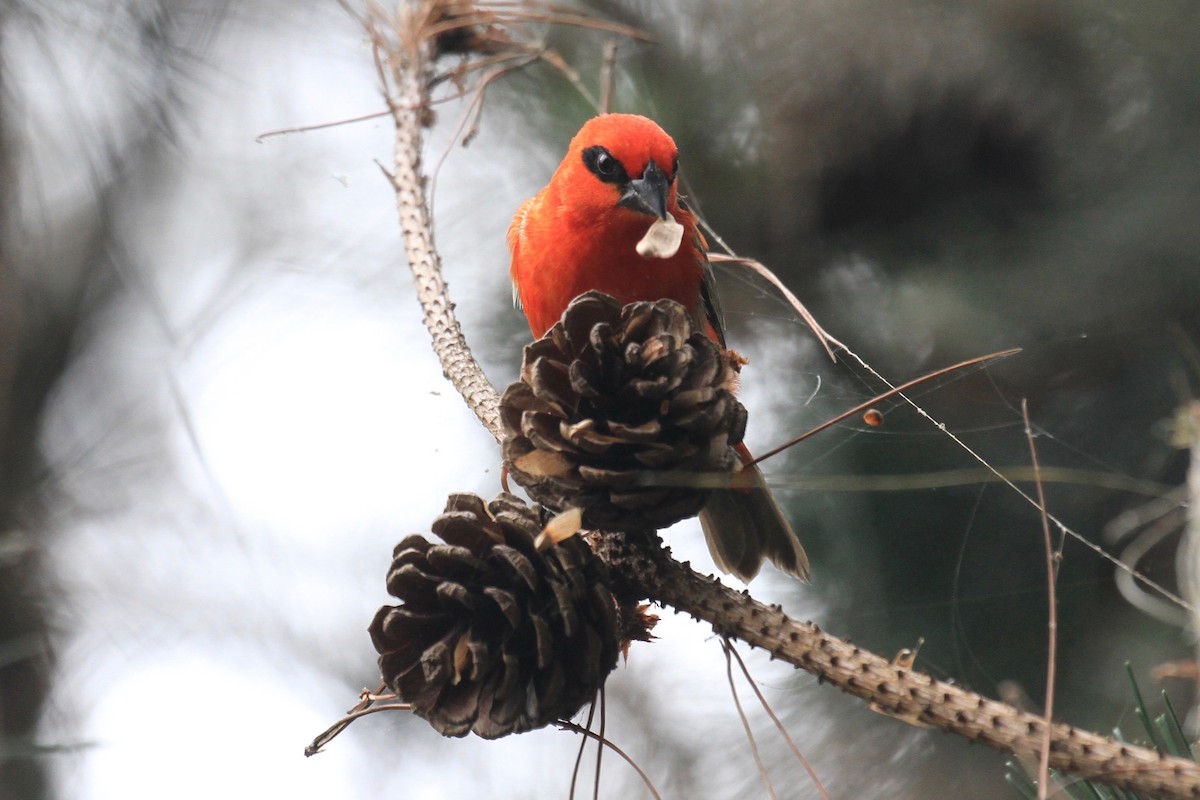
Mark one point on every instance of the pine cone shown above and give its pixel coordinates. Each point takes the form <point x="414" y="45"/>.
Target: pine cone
<point x="611" y="395"/>
<point x="492" y="635"/>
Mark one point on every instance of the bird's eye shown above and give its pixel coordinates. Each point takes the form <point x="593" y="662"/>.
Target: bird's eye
<point x="604" y="165"/>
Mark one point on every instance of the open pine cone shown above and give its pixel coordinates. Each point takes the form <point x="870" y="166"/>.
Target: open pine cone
<point x="492" y="635"/>
<point x="610" y="396"/>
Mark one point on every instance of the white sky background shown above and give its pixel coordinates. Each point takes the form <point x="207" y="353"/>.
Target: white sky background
<point x="256" y="419"/>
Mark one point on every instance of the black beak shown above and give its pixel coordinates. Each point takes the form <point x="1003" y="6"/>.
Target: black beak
<point x="648" y="194"/>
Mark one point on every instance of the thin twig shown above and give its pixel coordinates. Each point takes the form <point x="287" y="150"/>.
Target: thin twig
<point x="565" y="15"/>
<point x="468" y="123"/>
<point x="559" y="63"/>
<point x="366" y="705"/>
<point x="571" y="726"/>
<point x="762" y="770"/>
<point x="607" y="70"/>
<point x="600" y="749"/>
<point x="262" y="137"/>
<point x="1192" y="528"/>
<point x="914" y="481"/>
<point x="826" y="339"/>
<point x="812" y="773"/>
<point x="1063" y="528"/>
<point x="1052" y="626"/>
<point x="582" y="745"/>
<point x="896" y="390"/>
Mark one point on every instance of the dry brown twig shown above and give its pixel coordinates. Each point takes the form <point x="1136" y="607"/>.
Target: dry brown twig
<point x="1052" y="560"/>
<point x="366" y="705"/>
<point x="762" y="769"/>
<point x="804" y="762"/>
<point x="571" y="726"/>
<point x="407" y="44"/>
<point x="582" y="746"/>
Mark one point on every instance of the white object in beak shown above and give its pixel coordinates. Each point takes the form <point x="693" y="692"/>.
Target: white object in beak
<point x="662" y="240"/>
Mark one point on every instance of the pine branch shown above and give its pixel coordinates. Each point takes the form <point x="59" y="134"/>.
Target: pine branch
<point x="407" y="46"/>
<point x="405" y="56"/>
<point x="906" y="694"/>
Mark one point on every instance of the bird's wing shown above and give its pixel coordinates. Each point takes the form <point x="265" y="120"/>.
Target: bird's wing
<point x="516" y="231"/>
<point x="709" y="301"/>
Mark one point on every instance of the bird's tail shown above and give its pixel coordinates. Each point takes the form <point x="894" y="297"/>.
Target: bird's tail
<point x="745" y="526"/>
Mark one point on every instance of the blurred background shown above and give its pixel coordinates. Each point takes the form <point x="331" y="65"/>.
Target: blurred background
<point x="219" y="409"/>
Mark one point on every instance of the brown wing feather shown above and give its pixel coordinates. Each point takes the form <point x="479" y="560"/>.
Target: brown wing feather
<point x="709" y="301"/>
<point x="710" y="305"/>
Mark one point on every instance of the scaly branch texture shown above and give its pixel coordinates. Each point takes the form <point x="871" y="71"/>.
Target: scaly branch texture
<point x="406" y="58"/>
<point x="406" y="46"/>
<point x="903" y="693"/>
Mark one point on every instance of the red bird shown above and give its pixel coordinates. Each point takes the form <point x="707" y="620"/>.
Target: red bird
<point x="582" y="232"/>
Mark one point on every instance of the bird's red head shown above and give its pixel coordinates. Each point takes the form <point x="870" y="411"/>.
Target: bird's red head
<point x="586" y="229"/>
<point x="620" y="167"/>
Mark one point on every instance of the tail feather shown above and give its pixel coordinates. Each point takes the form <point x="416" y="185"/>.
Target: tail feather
<point x="744" y="527"/>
